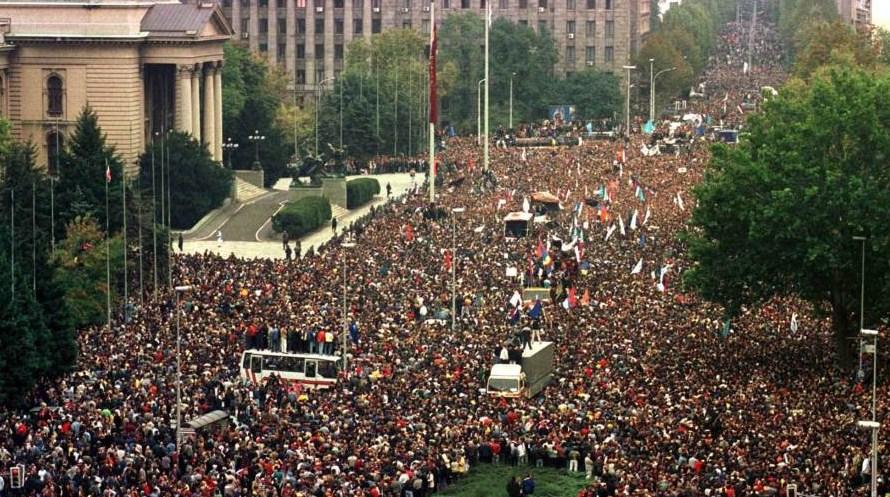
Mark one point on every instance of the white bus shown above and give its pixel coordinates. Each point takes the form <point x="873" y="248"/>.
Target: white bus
<point x="310" y="370"/>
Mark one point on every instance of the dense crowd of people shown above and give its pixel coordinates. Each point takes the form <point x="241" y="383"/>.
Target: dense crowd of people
<point x="652" y="394"/>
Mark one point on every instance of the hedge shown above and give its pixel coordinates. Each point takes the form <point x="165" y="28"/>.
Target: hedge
<point x="302" y="216"/>
<point x="360" y="191"/>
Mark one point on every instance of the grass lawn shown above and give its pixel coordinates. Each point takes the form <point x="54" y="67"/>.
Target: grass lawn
<point x="488" y="480"/>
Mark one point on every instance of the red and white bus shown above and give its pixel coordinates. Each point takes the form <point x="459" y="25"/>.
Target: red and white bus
<point x="309" y="370"/>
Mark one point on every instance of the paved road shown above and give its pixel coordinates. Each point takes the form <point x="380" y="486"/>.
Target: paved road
<point x="241" y="229"/>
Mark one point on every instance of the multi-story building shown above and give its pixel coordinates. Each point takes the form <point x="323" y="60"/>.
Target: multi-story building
<point x="309" y="37"/>
<point x="855" y="12"/>
<point x="144" y="66"/>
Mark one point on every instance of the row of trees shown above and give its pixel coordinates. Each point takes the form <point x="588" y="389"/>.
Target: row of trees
<point x="777" y="215"/>
<point x="83" y="241"/>
<point x="683" y="39"/>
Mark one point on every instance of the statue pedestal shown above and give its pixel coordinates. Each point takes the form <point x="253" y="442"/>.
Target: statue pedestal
<point x="334" y="189"/>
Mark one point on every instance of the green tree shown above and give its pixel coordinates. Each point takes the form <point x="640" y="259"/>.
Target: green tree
<point x="197" y="183"/>
<point x="777" y="214"/>
<point x="671" y="82"/>
<point x="594" y="93"/>
<point x="830" y="43"/>
<point x="253" y="94"/>
<point x="883" y="42"/>
<point x="81" y="189"/>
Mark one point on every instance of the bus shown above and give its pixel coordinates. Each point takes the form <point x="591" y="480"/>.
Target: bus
<point x="309" y="370"/>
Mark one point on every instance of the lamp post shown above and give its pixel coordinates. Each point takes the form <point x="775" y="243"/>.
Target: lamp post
<point x="652" y="78"/>
<point x="861" y="300"/>
<point x="456" y="210"/>
<point x="511" y="100"/>
<point x="256" y="138"/>
<point x="479" y="111"/>
<point x="873" y="425"/>
<point x="345" y="245"/>
<point x="230" y="146"/>
<point x="340" y="105"/>
<point x="627" y="102"/>
<point x="179" y="291"/>
<point x="317" y="88"/>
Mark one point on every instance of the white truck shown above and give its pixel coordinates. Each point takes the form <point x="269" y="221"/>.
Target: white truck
<point x="526" y="379"/>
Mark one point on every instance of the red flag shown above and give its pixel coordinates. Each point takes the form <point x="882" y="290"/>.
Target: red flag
<point x="573" y="301"/>
<point x="434" y="110"/>
<point x="585" y="299"/>
<point x="107" y="174"/>
<point x="447" y="261"/>
<point x="540" y="250"/>
<point x="409" y="232"/>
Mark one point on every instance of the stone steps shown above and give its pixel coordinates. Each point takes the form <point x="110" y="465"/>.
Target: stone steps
<point x="245" y="192"/>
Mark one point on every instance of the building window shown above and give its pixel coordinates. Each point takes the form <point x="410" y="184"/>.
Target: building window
<point x="570" y="27"/>
<point x="319" y="50"/>
<point x="338" y="51"/>
<point x="227" y="3"/>
<point x="570" y="4"/>
<point x="301" y="26"/>
<point x="608" y="4"/>
<point x="319" y="26"/>
<point x="542" y="4"/>
<point x="282" y="25"/>
<point x="569" y="74"/>
<point x="264" y="25"/>
<point x="301" y="51"/>
<point x="358" y="5"/>
<point x="523" y="4"/>
<point x="425" y="27"/>
<point x="54" y="92"/>
<point x="406" y="4"/>
<point x="245" y="27"/>
<point x="264" y="47"/>
<point x="338" y="4"/>
<point x="503" y="4"/>
<point x="523" y="23"/>
<point x="338" y="26"/>
<point x="264" y="3"/>
<point x="282" y="51"/>
<point x="590" y="29"/>
<point x="55" y="141"/>
<point x="375" y="26"/>
<point x="591" y="4"/>
<point x="590" y="56"/>
<point x="446" y="4"/>
<point x="301" y="76"/>
<point x="465" y="4"/>
<point x="610" y="29"/>
<point x="375" y="4"/>
<point x="406" y="24"/>
<point x="570" y="55"/>
<point x="610" y="54"/>
<point x="319" y="76"/>
<point x="281" y="4"/>
<point x="481" y="4"/>
<point x="357" y="26"/>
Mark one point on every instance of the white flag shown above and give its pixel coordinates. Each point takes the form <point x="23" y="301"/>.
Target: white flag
<point x="646" y="217"/>
<point x="525" y="206"/>
<point x="501" y="203"/>
<point x="516" y="299"/>
<point x="795" y="324"/>
<point x="638" y="267"/>
<point x="633" y="221"/>
<point x="621" y="224"/>
<point x="609" y="231"/>
<point x="680" y="202"/>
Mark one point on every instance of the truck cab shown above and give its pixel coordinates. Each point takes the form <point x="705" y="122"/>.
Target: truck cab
<point x="525" y="379"/>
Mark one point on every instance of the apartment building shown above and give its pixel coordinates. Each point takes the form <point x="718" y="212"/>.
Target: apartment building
<point x="309" y="37"/>
<point x="855" y="12"/>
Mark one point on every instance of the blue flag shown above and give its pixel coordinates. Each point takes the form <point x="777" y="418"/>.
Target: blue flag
<point x="535" y="312"/>
<point x="353" y="332"/>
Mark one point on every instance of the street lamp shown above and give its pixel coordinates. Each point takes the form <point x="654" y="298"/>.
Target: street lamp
<point x="345" y="245"/>
<point x="256" y="138"/>
<point x="230" y="146"/>
<point x="340" y="105"/>
<point x="317" y="88"/>
<point x="511" y="100"/>
<point x="455" y="210"/>
<point x="652" y="78"/>
<point x="861" y="299"/>
<point x="179" y="290"/>
<point x="627" y="102"/>
<point x="479" y="111"/>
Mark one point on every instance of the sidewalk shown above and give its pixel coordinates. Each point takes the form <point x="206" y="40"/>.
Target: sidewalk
<point x="400" y="183"/>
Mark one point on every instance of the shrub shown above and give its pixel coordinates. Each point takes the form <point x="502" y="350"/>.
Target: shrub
<point x="360" y="191"/>
<point x="302" y="216"/>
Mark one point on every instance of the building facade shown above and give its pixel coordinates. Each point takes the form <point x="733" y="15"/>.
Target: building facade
<point x="309" y="37"/>
<point x="855" y="12"/>
<point x="144" y="67"/>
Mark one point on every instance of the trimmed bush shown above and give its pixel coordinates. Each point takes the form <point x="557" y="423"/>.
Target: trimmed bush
<point x="303" y="216"/>
<point x="360" y="191"/>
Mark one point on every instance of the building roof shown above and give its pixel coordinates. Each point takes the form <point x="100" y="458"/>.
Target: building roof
<point x="177" y="18"/>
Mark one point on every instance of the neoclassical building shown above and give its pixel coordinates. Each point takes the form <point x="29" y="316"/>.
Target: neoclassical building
<point x="144" y="66"/>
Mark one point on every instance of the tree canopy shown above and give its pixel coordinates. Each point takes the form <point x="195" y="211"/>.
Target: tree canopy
<point x="777" y="215"/>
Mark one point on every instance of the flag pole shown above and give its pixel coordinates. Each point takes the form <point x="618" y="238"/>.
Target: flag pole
<point x="107" y="245"/>
<point x="124" y="202"/>
<point x="432" y="103"/>
<point x="485" y="135"/>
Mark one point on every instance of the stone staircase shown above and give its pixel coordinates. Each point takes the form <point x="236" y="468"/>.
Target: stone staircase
<point x="338" y="212"/>
<point x="245" y="192"/>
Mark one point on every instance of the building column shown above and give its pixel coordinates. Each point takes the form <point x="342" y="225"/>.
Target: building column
<point x="310" y="43"/>
<point x="218" y="113"/>
<point x="208" y="132"/>
<point x="348" y="21"/>
<point x="196" y="102"/>
<point x="272" y="32"/>
<point x="253" y="24"/>
<point x="328" y="38"/>
<point x="290" y="51"/>
<point x="366" y="19"/>
<point x="184" y="107"/>
<point x="236" y="18"/>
